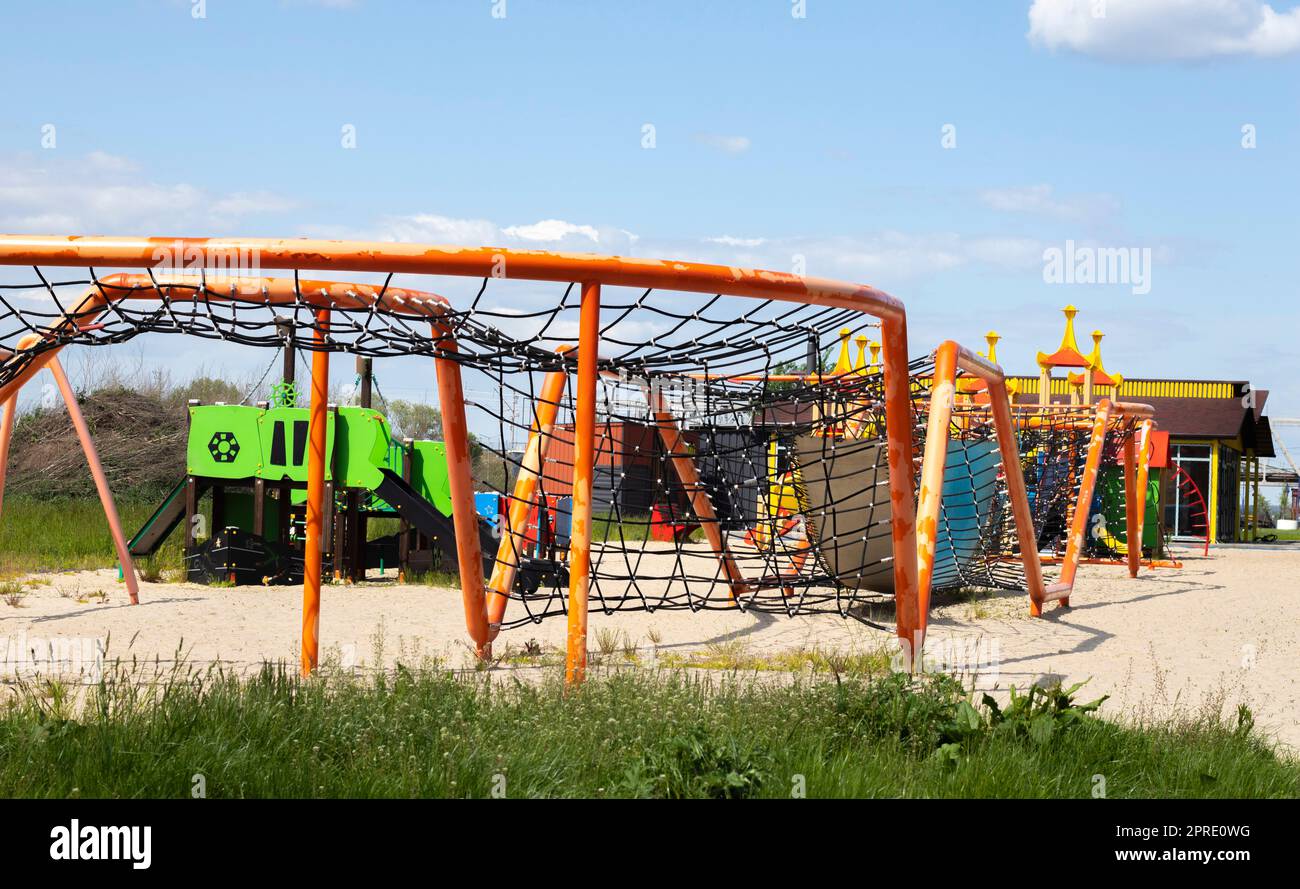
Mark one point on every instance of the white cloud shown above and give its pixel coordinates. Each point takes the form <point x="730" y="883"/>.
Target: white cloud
<point x="881" y="258"/>
<point x="1040" y="200"/>
<point x="551" y="230"/>
<point x="729" y="241"/>
<point x="100" y="193"/>
<point x="435" y="229"/>
<point x="1164" y="30"/>
<point x="109" y="163"/>
<point x="251" y="203"/>
<point x="550" y="234"/>
<point x="725" y="144"/>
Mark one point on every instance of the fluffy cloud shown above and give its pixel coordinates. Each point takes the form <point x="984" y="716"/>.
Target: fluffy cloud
<point x="1164" y="30"/>
<point x="882" y="258"/>
<point x="101" y="193"/>
<point x="551" y="230"/>
<point x="729" y="241"/>
<point x="549" y="234"/>
<point x="1041" y="200"/>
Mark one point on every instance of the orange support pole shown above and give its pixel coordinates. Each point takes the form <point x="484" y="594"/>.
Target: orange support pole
<point x="1087" y="484"/>
<point x="315" y="545"/>
<point x="6" y="436"/>
<point x="455" y="430"/>
<point x="690" y="479"/>
<point x="1143" y="476"/>
<point x="902" y="488"/>
<point x="1000" y="404"/>
<point x="521" y="501"/>
<point x="1133" y="528"/>
<point x="930" y="500"/>
<point x="101" y="480"/>
<point x="584" y="463"/>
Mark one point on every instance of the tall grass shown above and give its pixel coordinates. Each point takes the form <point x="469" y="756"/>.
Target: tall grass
<point x="65" y="534"/>
<point x="432" y="733"/>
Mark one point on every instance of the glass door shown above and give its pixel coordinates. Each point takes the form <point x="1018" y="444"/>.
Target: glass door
<point x="1184" y="516"/>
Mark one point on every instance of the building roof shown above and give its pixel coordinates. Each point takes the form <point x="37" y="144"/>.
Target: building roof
<point x="1210" y="417"/>
<point x="1210" y="409"/>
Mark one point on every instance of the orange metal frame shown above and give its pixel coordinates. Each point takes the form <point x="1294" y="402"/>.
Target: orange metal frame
<point x="82" y="429"/>
<point x="522" y="498"/>
<point x="590" y="271"/>
<point x="949" y="358"/>
<point x="316" y="534"/>
<point x="1106" y="412"/>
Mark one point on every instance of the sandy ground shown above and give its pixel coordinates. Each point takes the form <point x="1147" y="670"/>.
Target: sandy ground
<point x="1221" y="631"/>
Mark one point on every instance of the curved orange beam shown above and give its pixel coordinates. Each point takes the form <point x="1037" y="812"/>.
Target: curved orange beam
<point x="477" y="262"/>
<point x="185" y="288"/>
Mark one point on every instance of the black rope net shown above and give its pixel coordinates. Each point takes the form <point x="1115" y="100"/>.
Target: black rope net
<point x="784" y="441"/>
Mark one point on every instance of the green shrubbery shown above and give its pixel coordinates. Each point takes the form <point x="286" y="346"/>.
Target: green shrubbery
<point x="431" y="732"/>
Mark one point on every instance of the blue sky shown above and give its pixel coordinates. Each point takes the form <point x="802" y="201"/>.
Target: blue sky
<point x="775" y="135"/>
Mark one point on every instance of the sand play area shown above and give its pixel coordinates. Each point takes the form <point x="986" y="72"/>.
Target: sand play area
<point x="1221" y="631"/>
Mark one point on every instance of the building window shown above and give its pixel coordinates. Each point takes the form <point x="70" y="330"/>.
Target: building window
<point x="1185" y="516"/>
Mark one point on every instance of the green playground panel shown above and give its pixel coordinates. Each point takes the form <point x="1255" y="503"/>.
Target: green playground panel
<point x="235" y="441"/>
<point x="1110" y="487"/>
<point x="362" y="439"/>
<point x="429" y="474"/>
<point x="285" y="444"/>
<point x="224" y="441"/>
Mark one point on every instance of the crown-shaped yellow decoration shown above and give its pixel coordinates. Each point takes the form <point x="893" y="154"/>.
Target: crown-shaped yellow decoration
<point x="1068" y="355"/>
<point x="992" y="339"/>
<point x="1099" y="375"/>
<point x="860" y="364"/>
<point x="843" y="364"/>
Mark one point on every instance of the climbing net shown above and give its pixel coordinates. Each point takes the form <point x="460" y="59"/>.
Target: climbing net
<point x="744" y="392"/>
<point x="741" y="452"/>
<point x="1054" y="445"/>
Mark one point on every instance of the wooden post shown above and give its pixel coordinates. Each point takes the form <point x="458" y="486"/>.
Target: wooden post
<point x="333" y="530"/>
<point x="290" y="363"/>
<point x="675" y="445"/>
<point x="356" y="523"/>
<point x="403" y="527"/>
<point x="259" y="507"/>
<point x="191" y="510"/>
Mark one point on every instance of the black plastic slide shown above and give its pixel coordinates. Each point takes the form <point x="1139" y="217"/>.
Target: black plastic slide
<point x="440" y="529"/>
<point x="164" y="519"/>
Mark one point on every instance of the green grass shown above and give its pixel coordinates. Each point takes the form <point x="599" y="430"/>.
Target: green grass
<point x="735" y="655"/>
<point x="72" y="534"/>
<point x="433" y="733"/>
